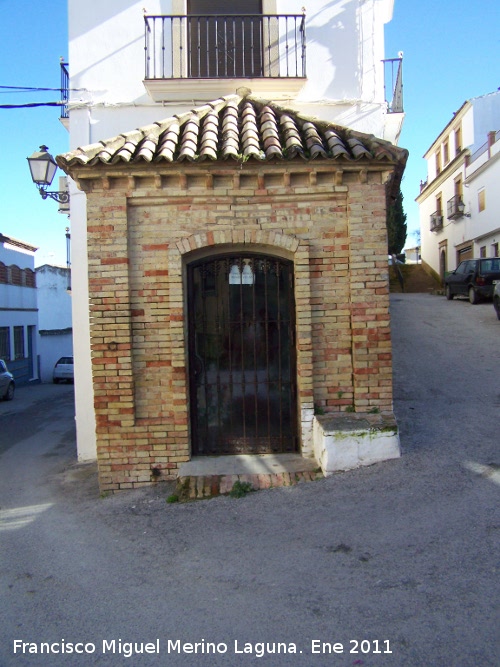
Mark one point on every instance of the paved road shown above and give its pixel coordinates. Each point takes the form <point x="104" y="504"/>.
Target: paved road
<point x="402" y="555"/>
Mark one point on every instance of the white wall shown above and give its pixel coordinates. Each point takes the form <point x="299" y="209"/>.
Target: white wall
<point x="345" y="78"/>
<point x="486" y="117"/>
<point x="18" y="298"/>
<point x="484" y="174"/>
<point x="10" y="254"/>
<point x="50" y="349"/>
<point x="54" y="302"/>
<point x="84" y="390"/>
<point x="54" y="315"/>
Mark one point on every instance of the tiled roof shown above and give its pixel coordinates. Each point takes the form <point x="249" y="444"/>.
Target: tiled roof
<point x="10" y="240"/>
<point x="238" y="128"/>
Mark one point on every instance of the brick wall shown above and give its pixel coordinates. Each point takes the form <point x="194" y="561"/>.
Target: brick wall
<point x="145" y="226"/>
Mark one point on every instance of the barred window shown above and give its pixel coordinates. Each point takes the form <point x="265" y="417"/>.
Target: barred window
<point x="13" y="275"/>
<point x="4" y="343"/>
<point x="18" y="342"/>
<point x="16" y="275"/>
<point x="30" y="278"/>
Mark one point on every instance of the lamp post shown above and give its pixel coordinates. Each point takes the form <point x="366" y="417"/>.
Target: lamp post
<point x="68" y="259"/>
<point x="43" y="168"/>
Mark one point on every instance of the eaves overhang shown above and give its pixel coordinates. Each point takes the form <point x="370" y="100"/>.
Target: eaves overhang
<point x="437" y="182"/>
<point x="237" y="129"/>
<point x="457" y="117"/>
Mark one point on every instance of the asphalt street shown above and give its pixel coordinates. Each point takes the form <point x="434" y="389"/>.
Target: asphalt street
<point x="393" y="564"/>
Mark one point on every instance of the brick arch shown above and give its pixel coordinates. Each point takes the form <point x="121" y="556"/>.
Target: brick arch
<point x="203" y="243"/>
<point x="207" y="240"/>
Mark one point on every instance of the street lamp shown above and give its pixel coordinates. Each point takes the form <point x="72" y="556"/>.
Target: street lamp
<point x="461" y="209"/>
<point x="43" y="167"/>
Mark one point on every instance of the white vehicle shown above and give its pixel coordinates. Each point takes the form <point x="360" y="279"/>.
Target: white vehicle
<point x="63" y="370"/>
<point x="496" y="297"/>
<point x="7" y="384"/>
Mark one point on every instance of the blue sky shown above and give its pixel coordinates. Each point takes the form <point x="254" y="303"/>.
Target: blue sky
<point x="451" y="53"/>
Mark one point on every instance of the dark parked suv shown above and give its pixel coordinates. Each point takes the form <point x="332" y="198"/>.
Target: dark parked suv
<point x="473" y="278"/>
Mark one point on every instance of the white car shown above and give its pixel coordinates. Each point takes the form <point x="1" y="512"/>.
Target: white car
<point x="63" y="370"/>
<point x="496" y="297"/>
<point x="7" y="383"/>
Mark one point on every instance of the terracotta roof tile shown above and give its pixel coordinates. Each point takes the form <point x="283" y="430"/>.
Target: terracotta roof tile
<point x="239" y="128"/>
<point x="168" y="143"/>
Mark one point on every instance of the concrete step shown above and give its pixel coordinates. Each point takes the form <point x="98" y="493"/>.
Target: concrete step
<point x="208" y="476"/>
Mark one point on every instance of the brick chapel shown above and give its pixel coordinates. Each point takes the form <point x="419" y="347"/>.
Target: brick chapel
<point x="239" y="298"/>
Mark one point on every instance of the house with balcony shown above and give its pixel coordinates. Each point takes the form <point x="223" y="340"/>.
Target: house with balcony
<point x="231" y="166"/>
<point x="459" y="203"/>
<point x="18" y="309"/>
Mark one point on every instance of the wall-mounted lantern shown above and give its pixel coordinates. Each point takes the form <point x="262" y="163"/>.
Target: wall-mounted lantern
<point x="461" y="209"/>
<point x="43" y="168"/>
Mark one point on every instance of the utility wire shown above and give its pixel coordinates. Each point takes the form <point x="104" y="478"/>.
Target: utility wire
<point x="33" y="89"/>
<point x="33" y="104"/>
<point x="21" y="89"/>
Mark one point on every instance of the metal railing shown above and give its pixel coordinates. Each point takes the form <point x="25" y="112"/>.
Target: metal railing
<point x="229" y="46"/>
<point x="436" y="221"/>
<point x="64" y="88"/>
<point x="393" y="84"/>
<point x="493" y="137"/>
<point x="455" y="207"/>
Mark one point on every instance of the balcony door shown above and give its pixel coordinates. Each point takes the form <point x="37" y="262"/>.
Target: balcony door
<point x="225" y="39"/>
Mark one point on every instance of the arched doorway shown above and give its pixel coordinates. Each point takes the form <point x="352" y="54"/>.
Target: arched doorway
<point x="442" y="265"/>
<point x="242" y="364"/>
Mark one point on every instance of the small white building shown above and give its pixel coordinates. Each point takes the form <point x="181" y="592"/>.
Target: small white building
<point x="54" y="320"/>
<point x="460" y="201"/>
<point x="129" y="67"/>
<point x="18" y="309"/>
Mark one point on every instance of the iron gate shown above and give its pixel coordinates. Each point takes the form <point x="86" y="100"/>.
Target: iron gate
<point x="242" y="355"/>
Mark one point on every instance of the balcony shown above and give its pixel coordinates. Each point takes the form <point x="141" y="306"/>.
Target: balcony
<point x="64" y="91"/>
<point x="393" y="84"/>
<point x="455" y="208"/>
<point x="436" y="221"/>
<point x="215" y="54"/>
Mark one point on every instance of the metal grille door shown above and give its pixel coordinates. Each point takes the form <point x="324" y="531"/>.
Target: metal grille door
<point x="242" y="355"/>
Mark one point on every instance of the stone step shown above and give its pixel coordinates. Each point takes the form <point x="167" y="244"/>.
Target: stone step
<point x="205" y="477"/>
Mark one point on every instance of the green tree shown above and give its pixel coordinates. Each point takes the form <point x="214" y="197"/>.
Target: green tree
<point x="396" y="226"/>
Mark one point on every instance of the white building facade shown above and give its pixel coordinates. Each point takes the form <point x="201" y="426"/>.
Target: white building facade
<point x="54" y="323"/>
<point x="18" y="309"/>
<point x="460" y="201"/>
<point x="128" y="68"/>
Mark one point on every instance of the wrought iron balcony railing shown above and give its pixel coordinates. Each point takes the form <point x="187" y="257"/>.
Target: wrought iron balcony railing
<point x="230" y="46"/>
<point x="436" y="221"/>
<point x="455" y="207"/>
<point x="64" y="88"/>
<point x="393" y="84"/>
